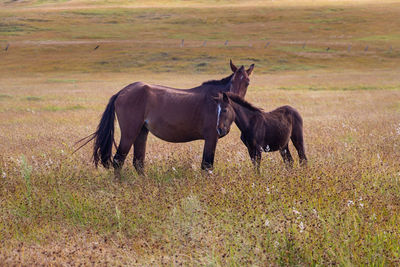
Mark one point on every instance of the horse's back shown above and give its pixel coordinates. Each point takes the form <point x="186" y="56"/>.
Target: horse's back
<point x="133" y="90"/>
<point x="174" y="115"/>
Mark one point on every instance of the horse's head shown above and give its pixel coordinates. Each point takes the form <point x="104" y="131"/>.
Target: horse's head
<point x="225" y="114"/>
<point x="240" y="79"/>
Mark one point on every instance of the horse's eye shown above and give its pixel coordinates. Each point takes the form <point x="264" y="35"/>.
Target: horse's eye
<point x="224" y="110"/>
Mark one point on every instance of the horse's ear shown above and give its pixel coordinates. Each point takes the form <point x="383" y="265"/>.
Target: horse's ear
<point x="225" y="98"/>
<point x="250" y="70"/>
<point x="233" y="67"/>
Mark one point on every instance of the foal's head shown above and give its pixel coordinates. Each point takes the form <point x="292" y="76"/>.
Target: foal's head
<point x="225" y="114"/>
<point x="240" y="79"/>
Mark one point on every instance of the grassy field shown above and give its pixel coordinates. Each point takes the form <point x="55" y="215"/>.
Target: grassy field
<point x="343" y="209"/>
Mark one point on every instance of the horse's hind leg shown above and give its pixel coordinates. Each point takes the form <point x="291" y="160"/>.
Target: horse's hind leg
<point x="298" y="142"/>
<point x="287" y="157"/>
<point x="140" y="150"/>
<point x="119" y="157"/>
<point x="128" y="136"/>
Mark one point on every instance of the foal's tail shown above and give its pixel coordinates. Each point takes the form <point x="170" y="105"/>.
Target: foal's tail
<point x="104" y="135"/>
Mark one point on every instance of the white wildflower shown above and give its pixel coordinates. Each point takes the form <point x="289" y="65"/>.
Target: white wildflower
<point x="253" y="185"/>
<point x="296" y="212"/>
<point x="398" y="129"/>
<point x="4" y="175"/>
<point x="267" y="223"/>
<point x="268" y="192"/>
<point x="276" y="244"/>
<point x="173" y="168"/>
<point x="361" y="204"/>
<point x="315" y="211"/>
<point x="210" y="172"/>
<point x="350" y="203"/>
<point x="301" y="227"/>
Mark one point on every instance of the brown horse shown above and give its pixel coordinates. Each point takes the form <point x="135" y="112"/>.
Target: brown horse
<point x="173" y="115"/>
<point x="262" y="131"/>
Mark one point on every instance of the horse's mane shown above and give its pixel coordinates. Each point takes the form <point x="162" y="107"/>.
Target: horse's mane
<point x="223" y="81"/>
<point x="239" y="100"/>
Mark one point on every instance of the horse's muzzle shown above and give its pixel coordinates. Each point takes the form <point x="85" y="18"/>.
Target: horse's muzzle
<point x="222" y="132"/>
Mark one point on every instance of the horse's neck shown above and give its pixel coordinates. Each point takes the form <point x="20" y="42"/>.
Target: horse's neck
<point x="212" y="88"/>
<point x="243" y="117"/>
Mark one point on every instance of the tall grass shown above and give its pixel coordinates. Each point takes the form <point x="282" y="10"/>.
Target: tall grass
<point x="342" y="209"/>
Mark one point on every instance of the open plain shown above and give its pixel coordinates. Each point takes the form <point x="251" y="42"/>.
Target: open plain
<point x="336" y="62"/>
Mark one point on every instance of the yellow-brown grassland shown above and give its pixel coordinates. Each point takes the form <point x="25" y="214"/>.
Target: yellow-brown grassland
<point x="336" y="62"/>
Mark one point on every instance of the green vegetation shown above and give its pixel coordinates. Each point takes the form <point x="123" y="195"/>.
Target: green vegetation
<point x="342" y="209"/>
<point x="148" y="39"/>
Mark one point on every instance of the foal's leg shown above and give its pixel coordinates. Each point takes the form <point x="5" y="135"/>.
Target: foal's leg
<point x="298" y="142"/>
<point x="140" y="150"/>
<point x="257" y="160"/>
<point x="255" y="156"/>
<point x="208" y="153"/>
<point x="287" y="157"/>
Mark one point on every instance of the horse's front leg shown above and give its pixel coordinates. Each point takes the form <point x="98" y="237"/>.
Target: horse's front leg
<point x="209" y="152"/>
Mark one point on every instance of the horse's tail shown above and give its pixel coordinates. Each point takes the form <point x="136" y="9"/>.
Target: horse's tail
<point x="104" y="135"/>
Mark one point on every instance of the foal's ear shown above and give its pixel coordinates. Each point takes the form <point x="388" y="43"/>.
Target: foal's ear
<point x="225" y="98"/>
<point x="233" y="67"/>
<point x="250" y="70"/>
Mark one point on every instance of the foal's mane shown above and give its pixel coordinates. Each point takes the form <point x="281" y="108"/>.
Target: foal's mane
<point x="223" y="81"/>
<point x="239" y="100"/>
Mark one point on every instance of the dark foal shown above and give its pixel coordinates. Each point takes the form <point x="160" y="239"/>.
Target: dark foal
<point x="173" y="115"/>
<point x="263" y="131"/>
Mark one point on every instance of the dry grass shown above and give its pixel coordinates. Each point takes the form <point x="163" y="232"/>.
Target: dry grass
<point x="56" y="208"/>
<point x="342" y="209"/>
